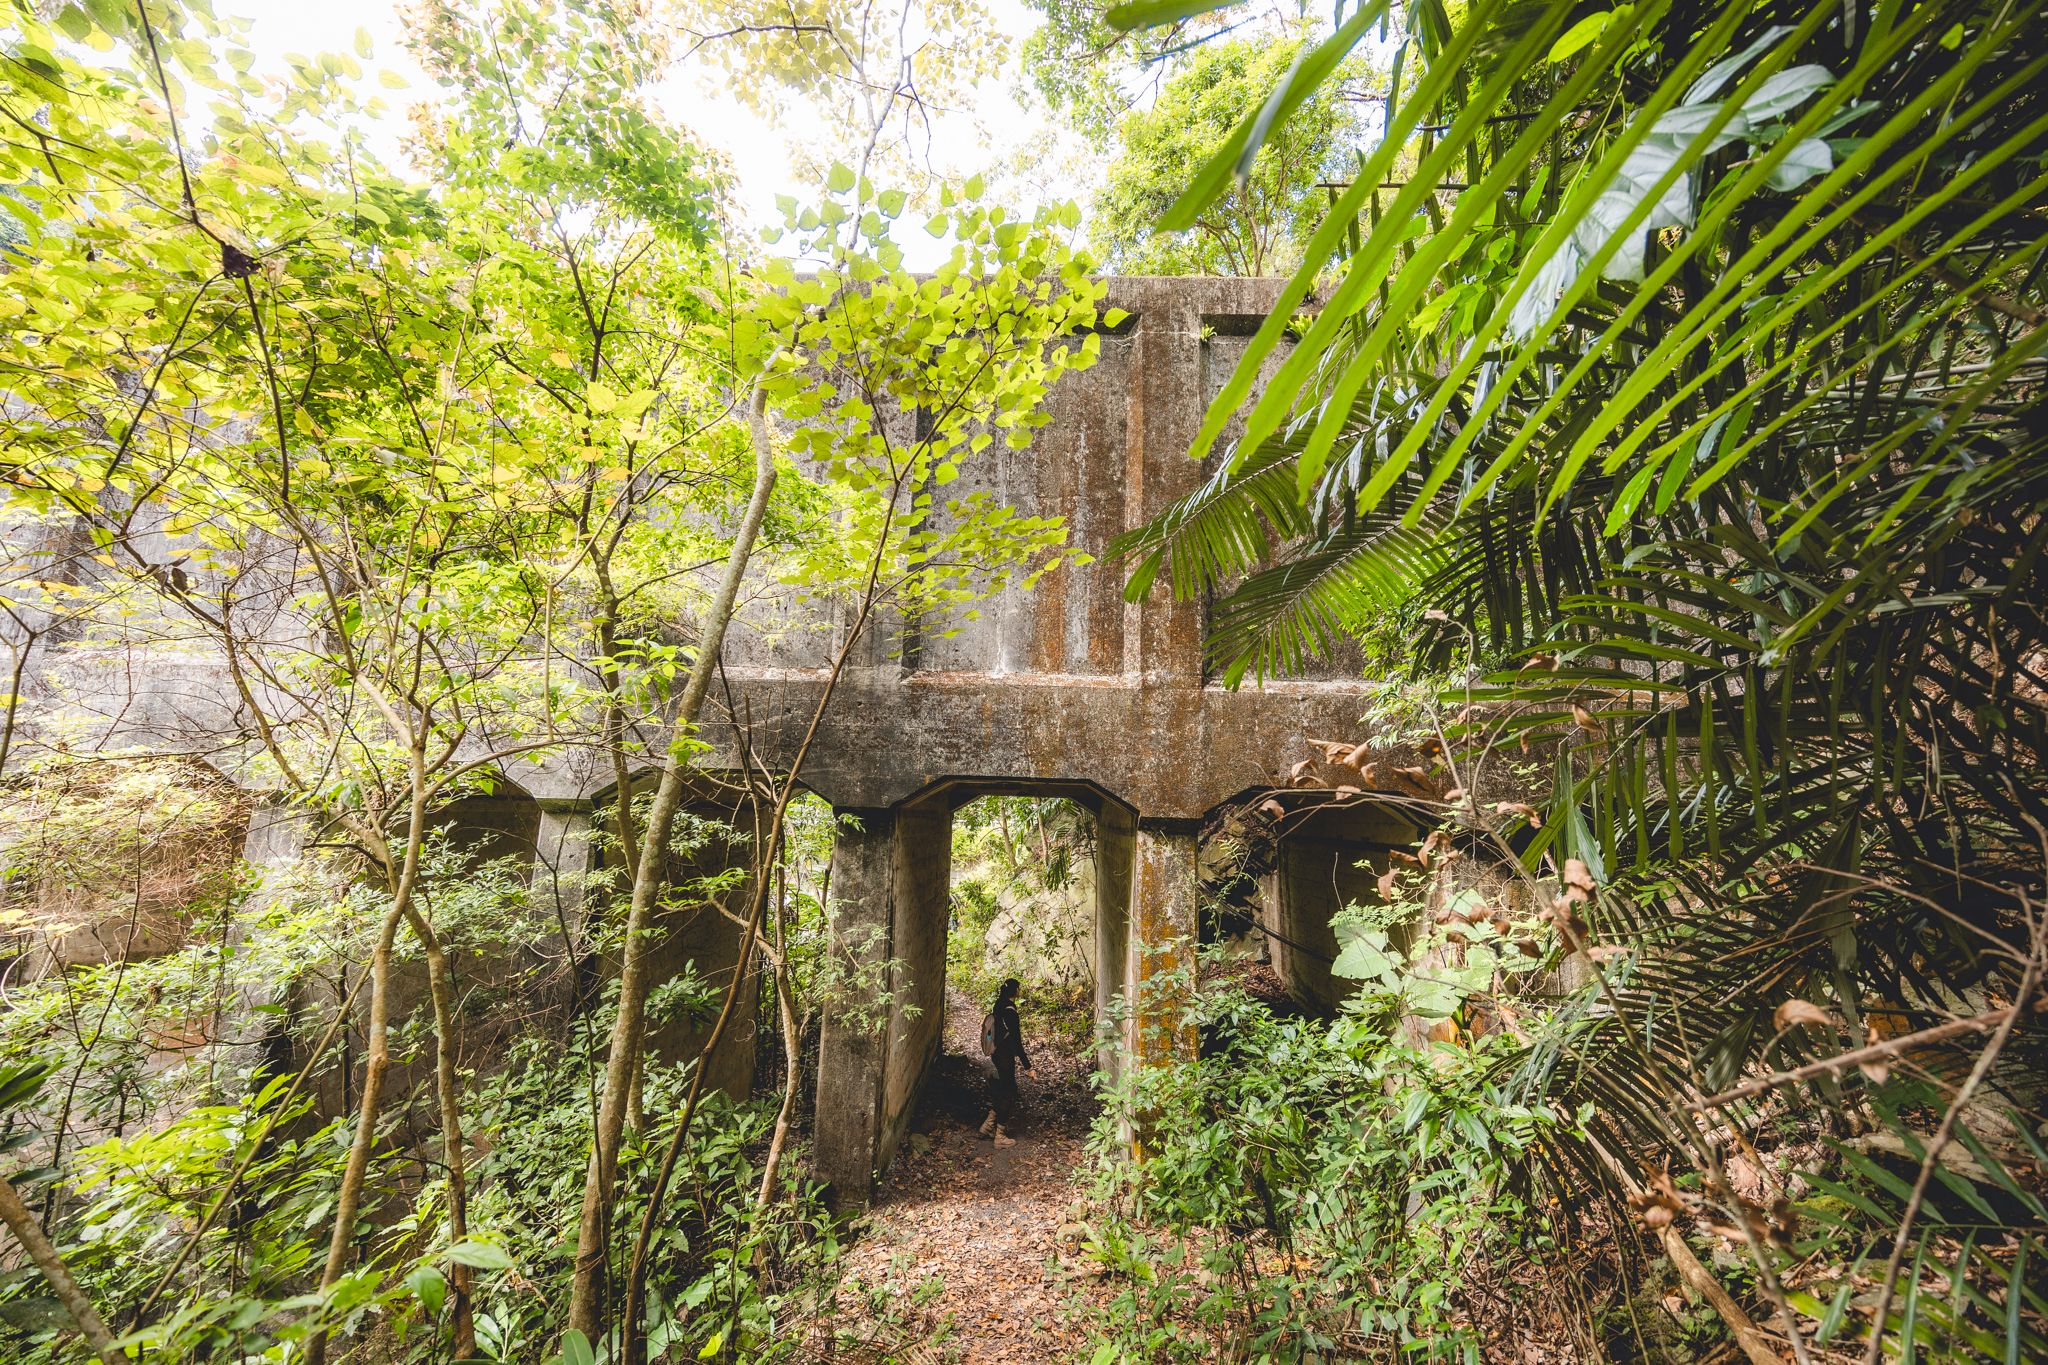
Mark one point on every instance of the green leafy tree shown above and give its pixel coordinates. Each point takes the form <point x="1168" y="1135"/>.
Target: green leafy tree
<point x="853" y="342"/>
<point x="1259" y="226"/>
<point x="875" y="76"/>
<point x="449" y="404"/>
<point x="1092" y="67"/>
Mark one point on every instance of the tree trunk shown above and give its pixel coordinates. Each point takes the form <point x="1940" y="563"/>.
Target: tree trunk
<point x="29" y="1233"/>
<point x="441" y="984"/>
<point x="635" y="1340"/>
<point x="629" y="1029"/>
<point x="376" y="1054"/>
<point x="376" y="1060"/>
<point x="792" y="1041"/>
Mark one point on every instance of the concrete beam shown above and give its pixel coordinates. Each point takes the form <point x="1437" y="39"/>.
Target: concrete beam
<point x="1169" y="752"/>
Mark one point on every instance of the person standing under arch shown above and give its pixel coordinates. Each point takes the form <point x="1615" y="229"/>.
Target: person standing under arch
<point x="1008" y="1028"/>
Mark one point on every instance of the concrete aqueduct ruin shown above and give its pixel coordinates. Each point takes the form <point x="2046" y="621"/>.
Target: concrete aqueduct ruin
<point x="1066" y="690"/>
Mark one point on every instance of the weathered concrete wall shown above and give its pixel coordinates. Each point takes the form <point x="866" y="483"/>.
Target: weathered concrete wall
<point x="1066" y="687"/>
<point x="1065" y="682"/>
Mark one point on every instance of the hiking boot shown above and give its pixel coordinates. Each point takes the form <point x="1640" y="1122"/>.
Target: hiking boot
<point x="988" y="1125"/>
<point x="1004" y="1140"/>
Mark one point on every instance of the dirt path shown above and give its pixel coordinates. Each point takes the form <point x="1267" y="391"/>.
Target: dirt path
<point x="963" y="1258"/>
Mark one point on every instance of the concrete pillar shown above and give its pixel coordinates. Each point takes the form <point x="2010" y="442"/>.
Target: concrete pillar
<point x="1116" y="841"/>
<point x="847" y="1131"/>
<point x="277" y="838"/>
<point x="922" y="866"/>
<point x="1162" y="636"/>
<point x="891" y="882"/>
<point x="279" y="833"/>
<point x="1165" y="885"/>
<point x="559" y="890"/>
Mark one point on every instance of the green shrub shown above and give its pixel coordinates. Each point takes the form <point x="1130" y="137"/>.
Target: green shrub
<point x="1307" y="1186"/>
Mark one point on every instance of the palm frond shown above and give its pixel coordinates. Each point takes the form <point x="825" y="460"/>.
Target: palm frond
<point x="1280" y="617"/>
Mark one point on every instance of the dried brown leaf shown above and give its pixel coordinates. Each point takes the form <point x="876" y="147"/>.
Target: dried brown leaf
<point x="1784" y="1223"/>
<point x="1877" y="1071"/>
<point x="1522" y="808"/>
<point x="1799" y="1013"/>
<point x="1415" y="777"/>
<point x="1658" y="1202"/>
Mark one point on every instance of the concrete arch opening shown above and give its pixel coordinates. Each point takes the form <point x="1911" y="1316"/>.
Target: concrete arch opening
<point x="475" y="889"/>
<point x="497" y="820"/>
<point x="1023" y="905"/>
<point x="892" y="882"/>
<point x="1329" y="853"/>
<point x="478" y="895"/>
<point x="698" y="921"/>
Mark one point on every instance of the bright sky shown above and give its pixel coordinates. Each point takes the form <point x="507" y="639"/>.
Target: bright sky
<point x="979" y="139"/>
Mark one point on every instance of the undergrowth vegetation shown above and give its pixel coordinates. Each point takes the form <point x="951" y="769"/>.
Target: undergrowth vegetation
<point x="1314" y="1186"/>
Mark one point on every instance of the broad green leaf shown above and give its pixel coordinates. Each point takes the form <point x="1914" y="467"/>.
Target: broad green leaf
<point x="1583" y="33"/>
<point x="480" y="1255"/>
<point x="576" y="1349"/>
